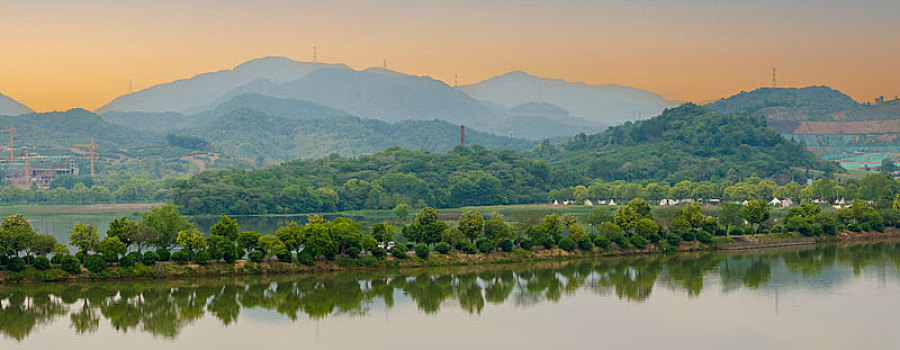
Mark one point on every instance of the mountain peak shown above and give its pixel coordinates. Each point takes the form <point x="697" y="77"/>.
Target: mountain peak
<point x="11" y="107"/>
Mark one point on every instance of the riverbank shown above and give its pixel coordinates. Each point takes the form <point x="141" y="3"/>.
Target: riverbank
<point x="164" y="270"/>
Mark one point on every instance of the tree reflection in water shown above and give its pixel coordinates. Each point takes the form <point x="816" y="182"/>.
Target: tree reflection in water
<point x="165" y="308"/>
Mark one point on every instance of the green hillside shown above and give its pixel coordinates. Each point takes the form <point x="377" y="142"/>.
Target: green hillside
<point x="812" y="102"/>
<point x="685" y="143"/>
<point x="253" y="135"/>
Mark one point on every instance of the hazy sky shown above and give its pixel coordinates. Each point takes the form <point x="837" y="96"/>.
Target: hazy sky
<point x="82" y="53"/>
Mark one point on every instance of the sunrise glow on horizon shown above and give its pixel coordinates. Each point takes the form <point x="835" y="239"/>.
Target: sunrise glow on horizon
<point x="59" y="55"/>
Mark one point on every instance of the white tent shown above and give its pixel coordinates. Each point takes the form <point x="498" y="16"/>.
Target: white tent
<point x="555" y="202"/>
<point x="588" y="203"/>
<point x="775" y="202"/>
<point x="612" y="202"/>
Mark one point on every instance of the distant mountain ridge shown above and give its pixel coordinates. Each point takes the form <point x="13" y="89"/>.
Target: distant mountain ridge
<point x="10" y="107"/>
<point x="202" y="92"/>
<point x="608" y="104"/>
<point x="378" y="93"/>
<point x="811" y="102"/>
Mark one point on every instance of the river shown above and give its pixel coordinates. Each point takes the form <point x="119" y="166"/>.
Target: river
<point x="827" y="297"/>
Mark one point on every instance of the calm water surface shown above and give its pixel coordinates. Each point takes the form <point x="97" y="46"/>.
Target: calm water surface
<point x="823" y="298"/>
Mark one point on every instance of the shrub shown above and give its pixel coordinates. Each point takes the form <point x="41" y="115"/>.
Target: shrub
<point x="621" y="241"/>
<point x="399" y="251"/>
<point x="56" y="259"/>
<point x="639" y="241"/>
<point x="526" y="244"/>
<point x="377" y="252"/>
<point x="568" y="244"/>
<point x="16" y="264"/>
<point x="673" y="238"/>
<point x="126" y="262"/>
<point x="506" y="245"/>
<point x="422" y="251"/>
<point x="41" y="263"/>
<point x="585" y="245"/>
<point x="230" y="255"/>
<point x="285" y="257"/>
<point x="4" y="260"/>
<point x="29" y="260"/>
<point x="704" y="237"/>
<point x="306" y="258"/>
<point x="70" y="264"/>
<point x="135" y="256"/>
<point x="149" y="258"/>
<point x="602" y="242"/>
<point x="689" y="237"/>
<point x="865" y="226"/>
<point x="352" y="251"/>
<point x="485" y="247"/>
<point x="468" y="248"/>
<point x="79" y="255"/>
<point x="110" y="259"/>
<point x="853" y="227"/>
<point x="181" y="257"/>
<point x="329" y="254"/>
<point x="95" y="263"/>
<point x="442" y="247"/>
<point x="163" y="254"/>
<point x="256" y="256"/>
<point x="202" y="257"/>
<point x="479" y="242"/>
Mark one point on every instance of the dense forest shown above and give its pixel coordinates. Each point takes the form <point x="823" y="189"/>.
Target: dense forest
<point x="685" y="143"/>
<point x="814" y="102"/>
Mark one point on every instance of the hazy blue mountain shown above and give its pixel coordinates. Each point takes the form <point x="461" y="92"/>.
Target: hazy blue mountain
<point x="539" y="120"/>
<point x="272" y="139"/>
<point x="606" y="104"/>
<point x="147" y="121"/>
<point x="381" y="94"/>
<point x="162" y="122"/>
<point x="812" y="102"/>
<point x="203" y="91"/>
<point x="11" y="107"/>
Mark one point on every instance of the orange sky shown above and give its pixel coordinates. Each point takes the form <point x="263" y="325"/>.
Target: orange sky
<point x="56" y="54"/>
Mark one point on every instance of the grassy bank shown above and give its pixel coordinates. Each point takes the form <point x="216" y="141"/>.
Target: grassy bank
<point x="163" y="270"/>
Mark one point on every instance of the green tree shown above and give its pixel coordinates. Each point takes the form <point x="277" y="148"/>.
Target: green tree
<point x="291" y="235"/>
<point x="42" y="244"/>
<point x="111" y="248"/>
<point x="248" y="240"/>
<point x="271" y="246"/>
<point x="226" y="227"/>
<point x="426" y="227"/>
<point x="191" y="240"/>
<point x="730" y="215"/>
<point x="383" y="232"/>
<point x="646" y="227"/>
<point x="317" y="238"/>
<point x="85" y="237"/>
<point x="471" y="224"/>
<point x="401" y="211"/>
<point x="756" y="212"/>
<point x="163" y="225"/>
<point x="496" y="230"/>
<point x="16" y="234"/>
<point x="123" y="229"/>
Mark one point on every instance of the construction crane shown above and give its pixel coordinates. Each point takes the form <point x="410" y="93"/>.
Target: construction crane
<point x="27" y="166"/>
<point x="91" y="146"/>
<point x="12" y="133"/>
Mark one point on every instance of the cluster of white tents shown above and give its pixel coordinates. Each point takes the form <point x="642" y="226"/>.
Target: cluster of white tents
<point x="775" y="202"/>
<point x="587" y="202"/>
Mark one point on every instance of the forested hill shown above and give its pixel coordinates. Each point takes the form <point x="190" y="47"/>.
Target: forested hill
<point x="463" y="176"/>
<point x="786" y="103"/>
<point x="271" y="140"/>
<point x="60" y="130"/>
<point x="685" y="143"/>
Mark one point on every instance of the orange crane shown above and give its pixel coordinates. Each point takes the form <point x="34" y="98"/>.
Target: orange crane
<point x="12" y="133"/>
<point x="92" y="146"/>
<point x="27" y="167"/>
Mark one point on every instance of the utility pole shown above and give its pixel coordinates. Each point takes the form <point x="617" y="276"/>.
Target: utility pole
<point x="12" y="133"/>
<point x="91" y="146"/>
<point x="774" y="82"/>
